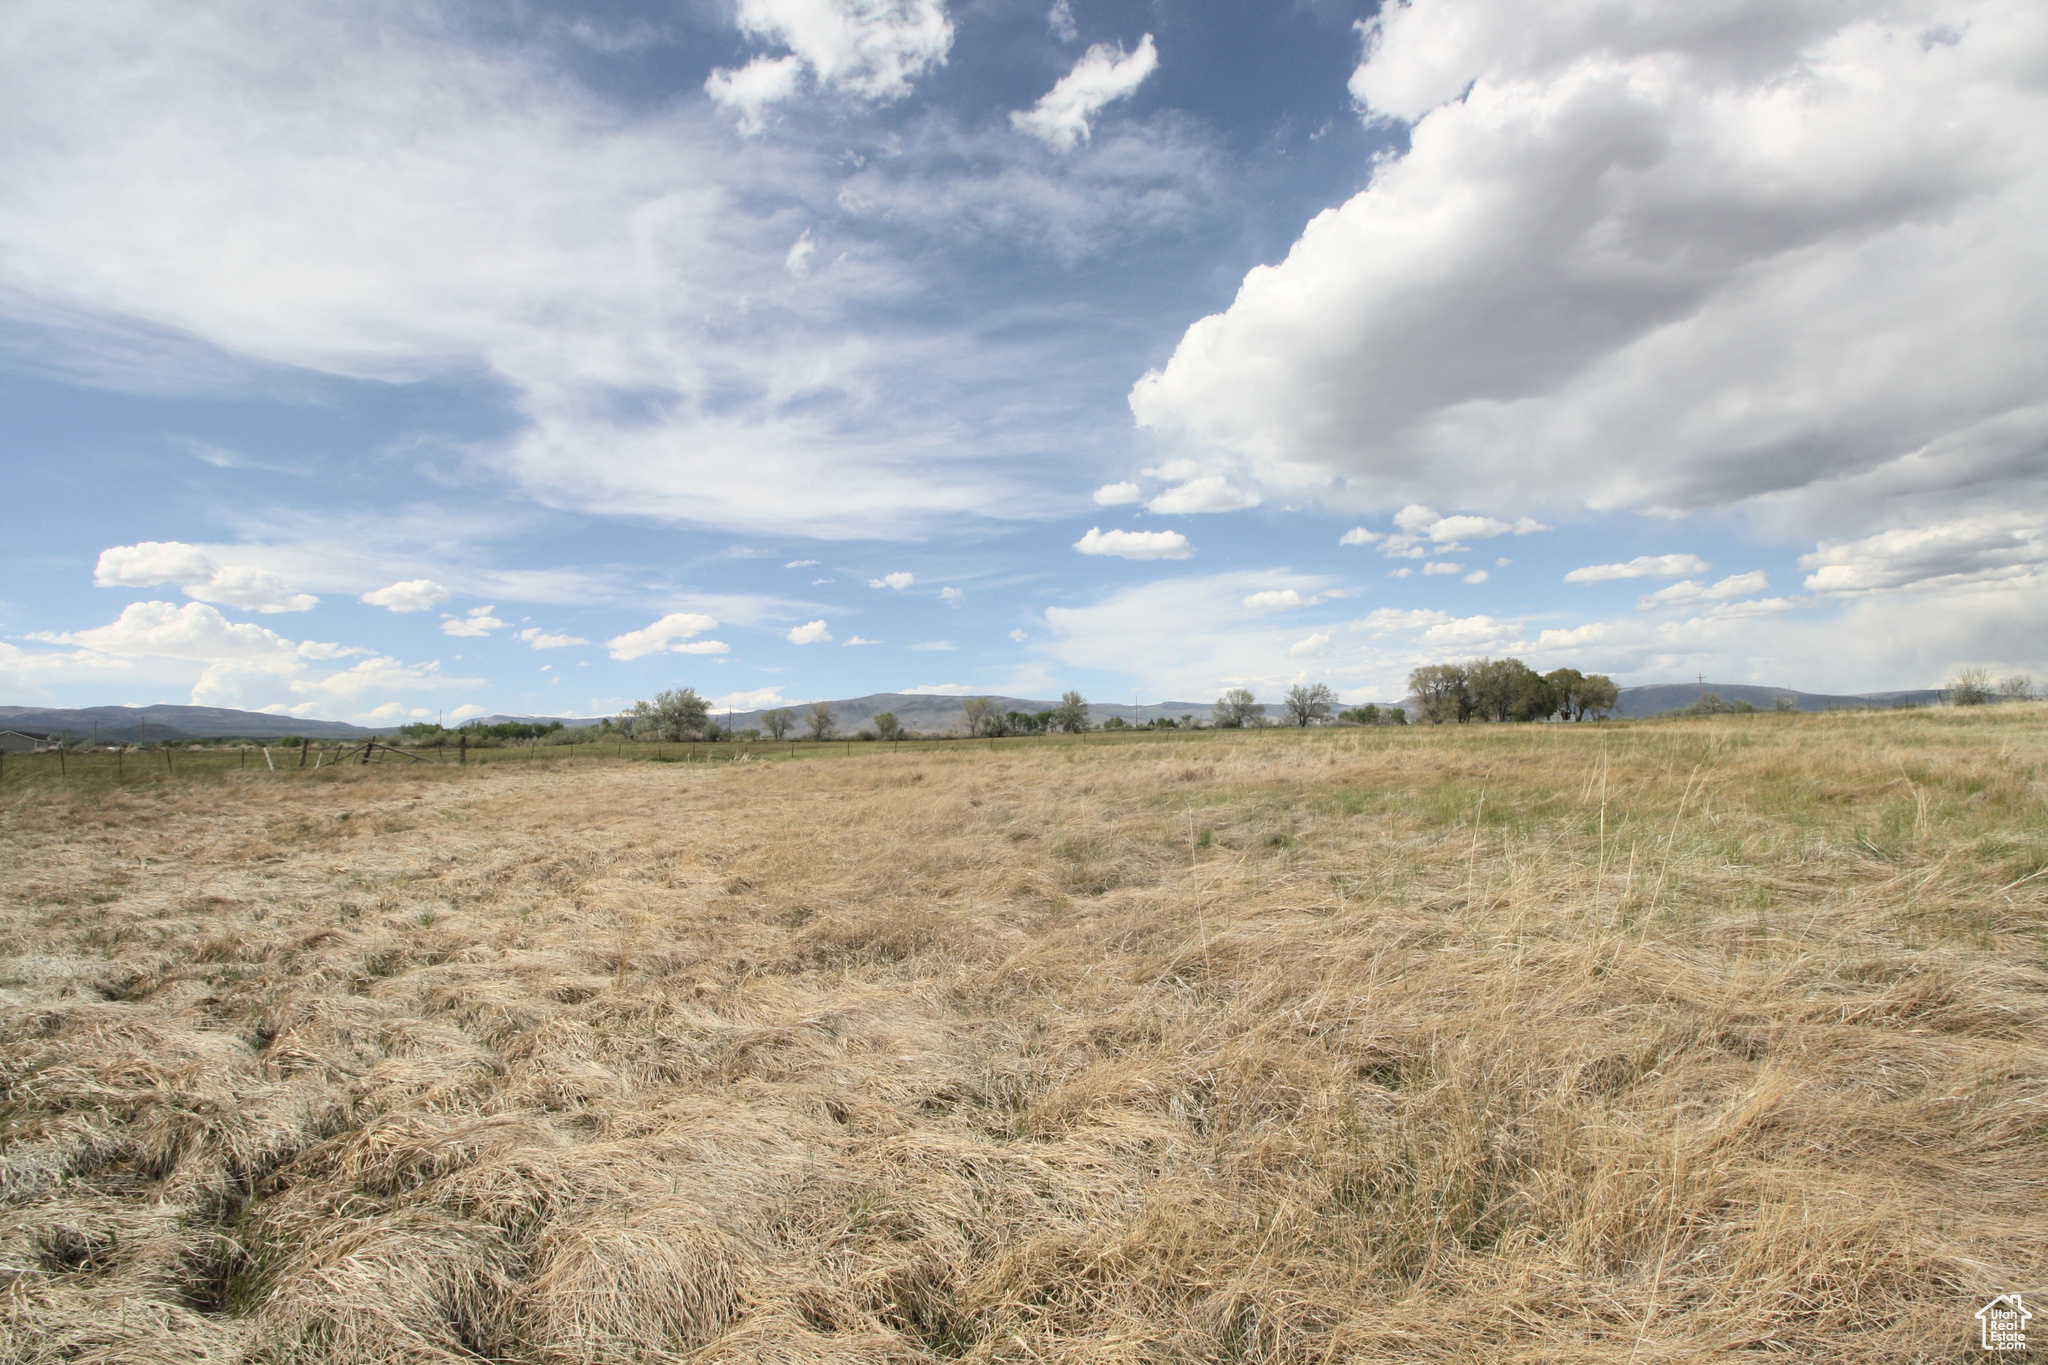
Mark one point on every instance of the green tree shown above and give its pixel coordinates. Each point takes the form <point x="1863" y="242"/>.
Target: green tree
<point x="1564" y="685"/>
<point x="819" y="721"/>
<point x="680" y="713"/>
<point x="1309" y="703"/>
<point x="887" y="726"/>
<point x="1440" y="690"/>
<point x="1238" y="708"/>
<point x="1071" y="715"/>
<point x="979" y="715"/>
<point x="1597" y="697"/>
<point x="1506" y="689"/>
<point x="778" y="721"/>
<point x="1368" y="714"/>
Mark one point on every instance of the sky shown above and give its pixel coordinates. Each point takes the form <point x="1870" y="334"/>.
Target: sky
<point x="390" y="361"/>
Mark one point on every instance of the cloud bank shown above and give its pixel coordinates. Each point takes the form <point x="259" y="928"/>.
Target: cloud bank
<point x="1779" y="244"/>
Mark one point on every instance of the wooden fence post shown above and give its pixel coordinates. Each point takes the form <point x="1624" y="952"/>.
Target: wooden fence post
<point x="168" y="767"/>
<point x="304" y="744"/>
<point x="462" y="749"/>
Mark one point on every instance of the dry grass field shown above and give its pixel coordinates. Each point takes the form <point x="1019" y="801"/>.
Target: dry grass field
<point x="1672" y="1041"/>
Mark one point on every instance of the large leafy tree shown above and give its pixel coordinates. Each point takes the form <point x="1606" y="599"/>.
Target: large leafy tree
<point x="1565" y="685"/>
<point x="1506" y="689"/>
<point x="1071" y="715"/>
<point x="679" y="713"/>
<point x="1441" y="691"/>
<point x="1597" y="697"/>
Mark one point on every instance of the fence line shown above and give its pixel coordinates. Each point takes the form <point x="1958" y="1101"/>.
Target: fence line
<point x="111" y="764"/>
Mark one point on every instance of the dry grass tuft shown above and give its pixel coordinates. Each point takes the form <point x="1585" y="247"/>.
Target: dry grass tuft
<point x="642" y="1281"/>
<point x="1630" y="1043"/>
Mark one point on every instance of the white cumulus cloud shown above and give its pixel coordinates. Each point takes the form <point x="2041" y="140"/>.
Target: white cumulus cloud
<point x="1103" y="75"/>
<point x="1277" y="599"/>
<point x="414" y="594"/>
<point x="809" y="633"/>
<point x="193" y="631"/>
<point x="1118" y="494"/>
<point x="662" y="636"/>
<point x="1661" y="255"/>
<point x="869" y="49"/>
<point x="478" y="622"/>
<point x="1135" y="544"/>
<point x="154" y="562"/>
<point x="899" y="581"/>
<point x="1642" y="566"/>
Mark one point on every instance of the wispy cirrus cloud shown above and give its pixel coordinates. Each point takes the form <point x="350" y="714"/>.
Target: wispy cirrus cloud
<point x="1642" y="566"/>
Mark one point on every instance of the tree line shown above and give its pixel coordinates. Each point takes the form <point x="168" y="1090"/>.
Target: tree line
<point x="1483" y="689"/>
<point x="1509" y="690"/>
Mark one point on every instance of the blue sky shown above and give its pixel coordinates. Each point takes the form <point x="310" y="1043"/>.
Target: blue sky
<point x="379" y="361"/>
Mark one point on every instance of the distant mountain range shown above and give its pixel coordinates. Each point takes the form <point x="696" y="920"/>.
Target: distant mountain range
<point x="138" y="724"/>
<point x="921" y="711"/>
<point x="1657" y="698"/>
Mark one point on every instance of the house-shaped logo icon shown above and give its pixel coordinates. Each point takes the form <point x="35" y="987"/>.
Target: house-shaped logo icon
<point x="2002" y="1324"/>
